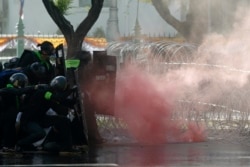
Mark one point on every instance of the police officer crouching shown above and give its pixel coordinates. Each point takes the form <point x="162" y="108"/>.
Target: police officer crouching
<point x="35" y="119"/>
<point x="11" y="102"/>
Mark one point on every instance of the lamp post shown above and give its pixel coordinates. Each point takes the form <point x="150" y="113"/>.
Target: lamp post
<point x="20" y="31"/>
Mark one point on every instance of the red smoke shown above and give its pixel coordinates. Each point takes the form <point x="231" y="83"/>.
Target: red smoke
<point x="147" y="111"/>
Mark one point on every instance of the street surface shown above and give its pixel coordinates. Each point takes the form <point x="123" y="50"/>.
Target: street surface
<point x="205" y="154"/>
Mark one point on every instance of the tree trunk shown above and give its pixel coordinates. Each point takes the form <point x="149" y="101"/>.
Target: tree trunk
<point x="74" y="39"/>
<point x="196" y="24"/>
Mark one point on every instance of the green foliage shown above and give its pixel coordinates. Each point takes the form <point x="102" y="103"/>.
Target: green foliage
<point x="63" y="5"/>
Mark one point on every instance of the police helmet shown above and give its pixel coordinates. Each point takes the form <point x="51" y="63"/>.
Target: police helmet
<point x="38" y="69"/>
<point x="12" y="62"/>
<point x="47" y="47"/>
<point x="59" y="83"/>
<point x="19" y="80"/>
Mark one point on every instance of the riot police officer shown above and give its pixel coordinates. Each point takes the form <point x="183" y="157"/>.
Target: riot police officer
<point x="11" y="101"/>
<point x="43" y="56"/>
<point x="35" y="118"/>
<point x="36" y="73"/>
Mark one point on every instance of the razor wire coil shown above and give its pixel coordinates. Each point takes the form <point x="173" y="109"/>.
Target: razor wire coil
<point x="227" y="118"/>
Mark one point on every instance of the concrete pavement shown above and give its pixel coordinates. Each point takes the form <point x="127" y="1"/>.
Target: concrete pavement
<point x="204" y="154"/>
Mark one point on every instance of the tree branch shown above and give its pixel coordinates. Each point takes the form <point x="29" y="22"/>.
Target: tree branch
<point x="164" y="12"/>
<point x="91" y="18"/>
<point x="63" y="24"/>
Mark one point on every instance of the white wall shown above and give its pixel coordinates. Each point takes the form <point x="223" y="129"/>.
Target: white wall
<point x="150" y="21"/>
<point x="37" y="19"/>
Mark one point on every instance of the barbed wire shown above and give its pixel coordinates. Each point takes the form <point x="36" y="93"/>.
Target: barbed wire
<point x="227" y="117"/>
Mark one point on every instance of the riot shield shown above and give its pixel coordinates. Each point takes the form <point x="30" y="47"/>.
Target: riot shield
<point x="101" y="84"/>
<point x="79" y="129"/>
<point x="60" y="61"/>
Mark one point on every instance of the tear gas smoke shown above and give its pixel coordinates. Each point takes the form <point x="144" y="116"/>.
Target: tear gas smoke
<point x="146" y="104"/>
<point x="179" y="92"/>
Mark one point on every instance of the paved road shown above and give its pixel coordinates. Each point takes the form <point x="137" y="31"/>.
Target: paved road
<point x="205" y="154"/>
